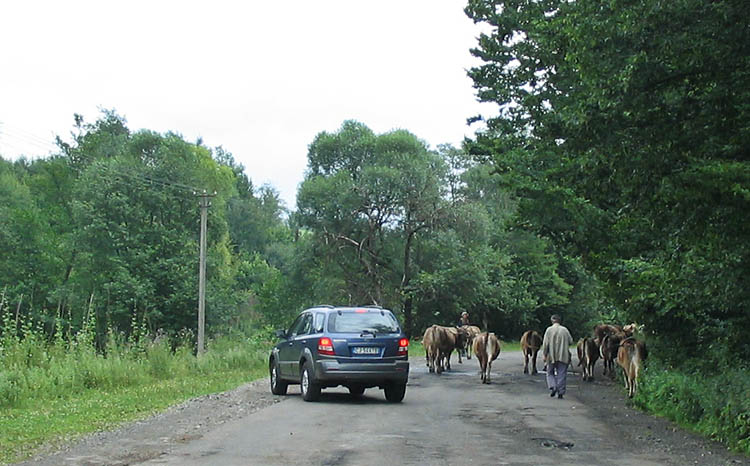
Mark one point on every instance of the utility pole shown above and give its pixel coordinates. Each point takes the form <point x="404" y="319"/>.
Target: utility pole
<point x="205" y="203"/>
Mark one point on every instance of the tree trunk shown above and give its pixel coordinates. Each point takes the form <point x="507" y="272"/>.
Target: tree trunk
<point x="408" y="317"/>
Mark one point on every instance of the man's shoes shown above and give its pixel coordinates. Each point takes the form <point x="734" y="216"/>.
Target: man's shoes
<point x="553" y="393"/>
<point x="559" y="395"/>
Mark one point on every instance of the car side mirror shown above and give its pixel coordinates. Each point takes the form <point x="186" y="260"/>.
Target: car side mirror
<point x="281" y="334"/>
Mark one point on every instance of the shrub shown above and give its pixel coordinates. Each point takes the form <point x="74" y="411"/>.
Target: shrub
<point x="715" y="404"/>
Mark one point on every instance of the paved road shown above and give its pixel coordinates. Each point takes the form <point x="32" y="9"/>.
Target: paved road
<point x="451" y="419"/>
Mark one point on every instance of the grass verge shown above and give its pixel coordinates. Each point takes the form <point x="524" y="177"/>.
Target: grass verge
<point x="44" y="417"/>
<point x="715" y="403"/>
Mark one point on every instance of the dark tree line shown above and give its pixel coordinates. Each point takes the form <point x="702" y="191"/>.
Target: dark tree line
<point x="109" y="226"/>
<point x="623" y="134"/>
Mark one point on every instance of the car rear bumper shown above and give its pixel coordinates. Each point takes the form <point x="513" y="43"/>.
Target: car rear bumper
<point x="332" y="371"/>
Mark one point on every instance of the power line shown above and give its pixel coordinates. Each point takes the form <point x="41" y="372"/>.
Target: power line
<point x="23" y="141"/>
<point x="150" y="179"/>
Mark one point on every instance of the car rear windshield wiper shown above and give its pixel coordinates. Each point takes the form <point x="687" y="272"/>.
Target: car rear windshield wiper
<point x="367" y="332"/>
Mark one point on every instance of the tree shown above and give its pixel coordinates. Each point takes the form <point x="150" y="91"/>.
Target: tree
<point x="367" y="198"/>
<point x="623" y="132"/>
<point x="29" y="266"/>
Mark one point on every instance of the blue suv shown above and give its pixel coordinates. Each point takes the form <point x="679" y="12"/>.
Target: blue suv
<point x="357" y="347"/>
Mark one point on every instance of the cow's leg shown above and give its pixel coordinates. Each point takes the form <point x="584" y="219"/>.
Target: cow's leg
<point x="448" y="360"/>
<point x="459" y="356"/>
<point x="533" y="362"/>
<point x="629" y="379"/>
<point x="489" y="369"/>
<point x="525" y="361"/>
<point x="586" y="368"/>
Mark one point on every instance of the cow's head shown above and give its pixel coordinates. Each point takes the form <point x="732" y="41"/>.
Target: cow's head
<point x="462" y="337"/>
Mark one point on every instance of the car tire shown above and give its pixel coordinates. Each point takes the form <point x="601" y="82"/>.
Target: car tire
<point x="356" y="390"/>
<point x="310" y="389"/>
<point x="278" y="386"/>
<point x="394" y="392"/>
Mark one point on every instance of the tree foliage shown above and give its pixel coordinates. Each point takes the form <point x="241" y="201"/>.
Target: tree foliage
<point x="424" y="232"/>
<point x="111" y="225"/>
<point x="623" y="130"/>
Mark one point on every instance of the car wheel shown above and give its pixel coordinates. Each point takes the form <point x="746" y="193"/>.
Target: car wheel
<point x="310" y="389"/>
<point x="356" y="390"/>
<point x="394" y="392"/>
<point x="278" y="386"/>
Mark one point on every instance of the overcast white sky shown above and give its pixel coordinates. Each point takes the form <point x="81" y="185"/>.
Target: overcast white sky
<point x="259" y="78"/>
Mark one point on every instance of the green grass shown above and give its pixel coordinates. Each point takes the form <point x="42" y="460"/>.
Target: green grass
<point x="510" y="345"/>
<point x="52" y="393"/>
<point x="714" y="403"/>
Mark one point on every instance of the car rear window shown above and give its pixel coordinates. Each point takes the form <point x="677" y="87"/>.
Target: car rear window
<point x="358" y="322"/>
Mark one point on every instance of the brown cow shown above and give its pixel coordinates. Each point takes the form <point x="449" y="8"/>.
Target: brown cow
<point x="608" y="351"/>
<point x="630" y="357"/>
<point x="630" y="329"/>
<point x="439" y="342"/>
<point x="588" y="353"/>
<point x="431" y="349"/>
<point x="531" y="341"/>
<point x="487" y="348"/>
<point x="602" y="330"/>
<point x="455" y="339"/>
<point x="471" y="332"/>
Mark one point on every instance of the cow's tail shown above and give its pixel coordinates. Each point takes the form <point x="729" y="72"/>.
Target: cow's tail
<point x="490" y="345"/>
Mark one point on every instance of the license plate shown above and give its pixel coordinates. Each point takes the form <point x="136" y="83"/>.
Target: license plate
<point x="366" y="350"/>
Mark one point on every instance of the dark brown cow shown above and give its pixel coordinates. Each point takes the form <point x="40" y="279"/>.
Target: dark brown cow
<point x="588" y="353"/>
<point x="630" y="357"/>
<point x="487" y="348"/>
<point x="455" y="339"/>
<point x="602" y="330"/>
<point x="531" y="341"/>
<point x="608" y="351"/>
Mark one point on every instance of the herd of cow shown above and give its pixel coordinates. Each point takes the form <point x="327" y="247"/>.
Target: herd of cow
<point x="611" y="343"/>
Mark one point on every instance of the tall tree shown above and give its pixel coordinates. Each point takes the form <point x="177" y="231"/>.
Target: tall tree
<point x="367" y="198"/>
<point x="623" y="130"/>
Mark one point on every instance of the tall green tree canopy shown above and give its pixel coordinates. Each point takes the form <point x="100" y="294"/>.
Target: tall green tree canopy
<point x="623" y="130"/>
<point x="367" y="197"/>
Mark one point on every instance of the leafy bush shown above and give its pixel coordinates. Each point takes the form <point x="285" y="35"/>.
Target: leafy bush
<point x="715" y="404"/>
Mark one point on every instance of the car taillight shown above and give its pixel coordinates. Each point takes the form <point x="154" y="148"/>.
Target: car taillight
<point x="403" y="346"/>
<point x="325" y="346"/>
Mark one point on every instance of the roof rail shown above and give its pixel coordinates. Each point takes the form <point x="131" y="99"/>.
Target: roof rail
<point x="324" y="305"/>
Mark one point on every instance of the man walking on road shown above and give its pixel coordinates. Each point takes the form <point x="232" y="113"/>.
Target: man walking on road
<point x="556" y="351"/>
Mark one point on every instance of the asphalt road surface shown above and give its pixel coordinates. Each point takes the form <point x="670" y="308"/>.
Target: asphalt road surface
<point x="452" y="419"/>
